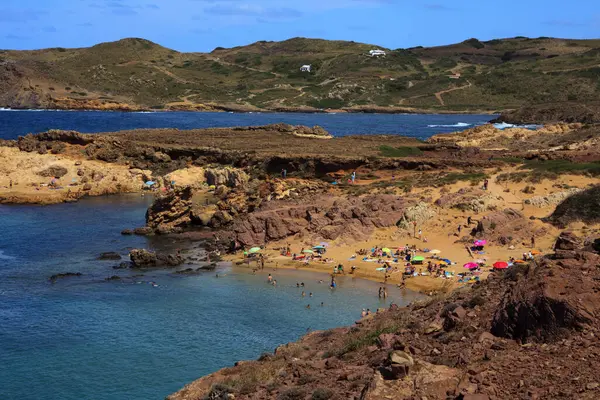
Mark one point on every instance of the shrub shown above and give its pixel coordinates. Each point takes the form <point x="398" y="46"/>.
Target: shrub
<point x="218" y="392"/>
<point x="474" y="43"/>
<point x="322" y="394"/>
<point x="404" y="151"/>
<point x="294" y="393"/>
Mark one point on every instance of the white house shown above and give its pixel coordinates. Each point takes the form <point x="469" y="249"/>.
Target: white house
<point x="377" y="53"/>
<point x="305" y="68"/>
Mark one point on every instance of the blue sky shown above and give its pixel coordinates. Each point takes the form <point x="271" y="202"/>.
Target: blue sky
<point x="201" y="25"/>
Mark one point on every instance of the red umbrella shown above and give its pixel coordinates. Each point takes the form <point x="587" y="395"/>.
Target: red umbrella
<point x="500" y="265"/>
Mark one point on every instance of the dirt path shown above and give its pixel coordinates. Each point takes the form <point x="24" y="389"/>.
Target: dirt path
<point x="222" y="62"/>
<point x="172" y="75"/>
<point x="571" y="69"/>
<point x="438" y="95"/>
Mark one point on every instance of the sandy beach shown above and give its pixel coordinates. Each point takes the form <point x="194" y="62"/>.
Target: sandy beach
<point x="440" y="233"/>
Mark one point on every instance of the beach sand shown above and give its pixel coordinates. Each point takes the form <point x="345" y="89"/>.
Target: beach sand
<point x="440" y="232"/>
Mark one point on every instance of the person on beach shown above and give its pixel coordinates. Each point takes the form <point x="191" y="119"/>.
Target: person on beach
<point x="11" y="183"/>
<point x="333" y="284"/>
<point x="420" y="234"/>
<point x="469" y="220"/>
<point x="532" y="242"/>
<point x="270" y="278"/>
<point x="459" y="229"/>
<point x="485" y="184"/>
<point x="353" y="177"/>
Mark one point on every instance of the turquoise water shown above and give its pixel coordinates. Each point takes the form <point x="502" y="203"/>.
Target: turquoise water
<point x="86" y="338"/>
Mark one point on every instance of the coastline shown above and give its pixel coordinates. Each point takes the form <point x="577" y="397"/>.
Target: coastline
<point x="291" y="110"/>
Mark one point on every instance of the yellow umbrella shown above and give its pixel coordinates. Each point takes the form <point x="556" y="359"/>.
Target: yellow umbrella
<point x="386" y="250"/>
<point x="434" y="251"/>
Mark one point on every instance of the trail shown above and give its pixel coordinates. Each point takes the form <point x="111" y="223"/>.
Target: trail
<point x="230" y="64"/>
<point x="571" y="69"/>
<point x="438" y="95"/>
<point x="172" y="75"/>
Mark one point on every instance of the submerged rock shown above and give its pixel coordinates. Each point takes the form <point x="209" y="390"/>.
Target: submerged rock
<point x="55" y="277"/>
<point x="141" y="258"/>
<point x="111" y="255"/>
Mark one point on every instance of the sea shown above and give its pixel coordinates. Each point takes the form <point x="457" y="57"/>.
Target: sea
<point x="14" y="123"/>
<point x="149" y="333"/>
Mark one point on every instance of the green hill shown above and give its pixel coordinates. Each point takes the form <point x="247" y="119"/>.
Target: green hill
<point x="468" y="76"/>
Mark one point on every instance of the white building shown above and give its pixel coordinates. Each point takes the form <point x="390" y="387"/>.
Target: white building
<point x="377" y="53"/>
<point x="305" y="68"/>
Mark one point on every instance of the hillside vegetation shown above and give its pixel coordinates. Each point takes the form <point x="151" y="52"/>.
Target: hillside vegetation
<point x="468" y="76"/>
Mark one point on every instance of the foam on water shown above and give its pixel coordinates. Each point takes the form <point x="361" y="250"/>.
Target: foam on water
<point x="5" y="257"/>
<point x="457" y="125"/>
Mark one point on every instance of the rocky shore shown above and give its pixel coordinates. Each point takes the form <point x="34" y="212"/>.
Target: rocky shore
<point x="280" y="186"/>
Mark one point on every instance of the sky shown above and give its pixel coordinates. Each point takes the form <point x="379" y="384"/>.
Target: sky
<point x="202" y="25"/>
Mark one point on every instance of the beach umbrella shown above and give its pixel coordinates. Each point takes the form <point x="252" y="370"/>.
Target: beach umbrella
<point x="471" y="265"/>
<point x="500" y="265"/>
<point x="435" y="251"/>
<point x="418" y="258"/>
<point x="386" y="250"/>
<point x="442" y="262"/>
<point x="308" y="251"/>
<point x="446" y="261"/>
<point x="254" y="250"/>
<point x="535" y="252"/>
<point x="481" y="242"/>
<point x="519" y="262"/>
<point x="318" y="247"/>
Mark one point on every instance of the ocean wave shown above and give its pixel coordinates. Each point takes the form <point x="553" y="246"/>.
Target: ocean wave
<point x="504" y="125"/>
<point x="458" y="125"/>
<point x="5" y="257"/>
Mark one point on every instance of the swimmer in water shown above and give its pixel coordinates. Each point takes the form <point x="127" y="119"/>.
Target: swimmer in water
<point x="297" y="284"/>
<point x="308" y="306"/>
<point x="363" y="313"/>
<point x="310" y="295"/>
<point x="274" y="282"/>
<point x="302" y="284"/>
<point x="270" y="278"/>
<point x="368" y="311"/>
<point x="322" y="304"/>
<point x="303" y="294"/>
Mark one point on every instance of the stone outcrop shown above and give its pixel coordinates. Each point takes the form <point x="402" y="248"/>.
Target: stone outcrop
<point x="470" y="199"/>
<point x="226" y="176"/>
<point x="171" y="210"/>
<point x="141" y="258"/>
<point x="328" y="219"/>
<point x="583" y="206"/>
<point x="552" y="299"/>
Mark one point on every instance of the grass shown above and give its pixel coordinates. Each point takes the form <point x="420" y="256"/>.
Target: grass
<point x="558" y="167"/>
<point x="403" y="151"/>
